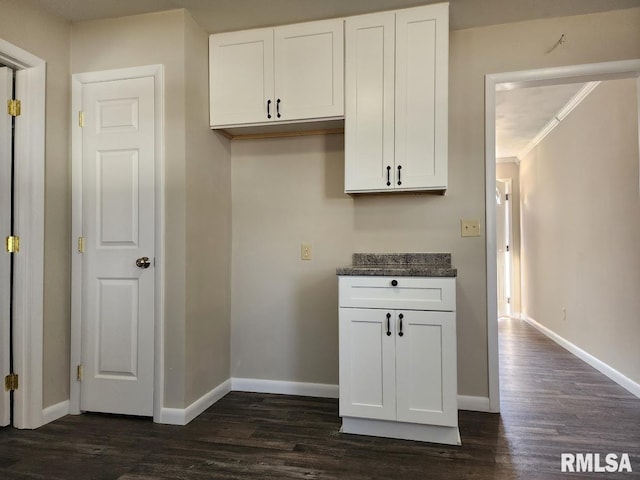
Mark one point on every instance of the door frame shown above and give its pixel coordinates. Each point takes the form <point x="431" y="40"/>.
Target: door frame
<point x="538" y="77"/>
<point x="77" y="81"/>
<point x="28" y="295"/>
<point x="508" y="182"/>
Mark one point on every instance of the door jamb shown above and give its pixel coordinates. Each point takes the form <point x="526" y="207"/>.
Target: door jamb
<point x="78" y="79"/>
<point x="29" y="225"/>
<point x="508" y="182"/>
<point x="544" y="76"/>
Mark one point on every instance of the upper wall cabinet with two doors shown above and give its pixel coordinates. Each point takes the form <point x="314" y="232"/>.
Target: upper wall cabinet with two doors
<point x="293" y="73"/>
<point x="396" y="97"/>
<point x="385" y="73"/>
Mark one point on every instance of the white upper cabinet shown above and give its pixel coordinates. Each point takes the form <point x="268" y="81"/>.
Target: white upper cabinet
<point x="396" y="109"/>
<point x="277" y="75"/>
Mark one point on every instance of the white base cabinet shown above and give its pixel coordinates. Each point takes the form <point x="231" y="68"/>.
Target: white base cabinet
<point x="398" y="364"/>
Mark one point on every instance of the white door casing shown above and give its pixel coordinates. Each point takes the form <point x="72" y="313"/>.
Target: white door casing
<point x="118" y="200"/>
<point x="502" y="240"/>
<point x="6" y="90"/>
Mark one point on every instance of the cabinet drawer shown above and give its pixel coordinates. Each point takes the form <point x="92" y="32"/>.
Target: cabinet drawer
<point x="410" y="293"/>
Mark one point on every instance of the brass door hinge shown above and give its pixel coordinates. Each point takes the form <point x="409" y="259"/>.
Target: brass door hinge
<point x="13" y="244"/>
<point x="14" y="107"/>
<point x="11" y="382"/>
<point x="81" y="244"/>
<point x="81" y="119"/>
<point x="79" y="373"/>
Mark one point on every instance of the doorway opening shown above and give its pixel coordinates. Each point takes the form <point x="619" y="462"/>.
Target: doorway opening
<point x="520" y="80"/>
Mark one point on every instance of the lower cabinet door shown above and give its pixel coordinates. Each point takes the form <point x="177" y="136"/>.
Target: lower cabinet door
<point x="367" y="363"/>
<point x="426" y="372"/>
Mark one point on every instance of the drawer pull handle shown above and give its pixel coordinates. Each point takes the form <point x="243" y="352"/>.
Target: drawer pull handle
<point x="400" y="332"/>
<point x="388" y="324"/>
<point x="394" y="283"/>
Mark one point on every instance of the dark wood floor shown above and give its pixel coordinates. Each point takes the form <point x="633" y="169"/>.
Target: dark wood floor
<point x="551" y="403"/>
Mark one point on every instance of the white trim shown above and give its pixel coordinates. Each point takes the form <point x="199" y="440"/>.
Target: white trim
<point x="474" y="404"/>
<point x="29" y="225"/>
<point x="256" y="385"/>
<point x="504" y="81"/>
<point x="54" y="412"/>
<point x="78" y="79"/>
<point x="622" y="380"/>
<point x="405" y="431"/>
<point x="182" y="416"/>
<point x="559" y="117"/>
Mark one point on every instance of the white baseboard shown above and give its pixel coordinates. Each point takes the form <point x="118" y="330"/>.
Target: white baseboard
<point x="256" y="385"/>
<point x="474" y="404"/>
<point x="182" y="416"/>
<point x="613" y="374"/>
<point x="54" y="412"/>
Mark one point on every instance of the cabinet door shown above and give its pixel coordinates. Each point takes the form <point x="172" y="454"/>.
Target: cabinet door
<point x="426" y="372"/>
<point x="241" y="77"/>
<point x="367" y="364"/>
<point x="309" y="69"/>
<point x="422" y="62"/>
<point x="369" y="102"/>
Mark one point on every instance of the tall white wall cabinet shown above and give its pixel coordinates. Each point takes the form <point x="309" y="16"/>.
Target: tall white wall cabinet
<point x="285" y="74"/>
<point x="396" y="100"/>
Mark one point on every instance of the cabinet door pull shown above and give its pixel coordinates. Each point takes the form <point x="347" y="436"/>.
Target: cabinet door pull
<point x="400" y="332"/>
<point x="399" y="177"/>
<point x="388" y="176"/>
<point x="394" y="283"/>
<point x="269" y="108"/>
<point x="278" y="108"/>
<point x="388" y="324"/>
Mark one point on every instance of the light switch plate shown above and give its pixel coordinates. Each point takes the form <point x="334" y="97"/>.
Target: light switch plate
<point x="306" y="252"/>
<point x="470" y="228"/>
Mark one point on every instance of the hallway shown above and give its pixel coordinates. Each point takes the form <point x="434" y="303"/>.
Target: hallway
<point x="552" y="403"/>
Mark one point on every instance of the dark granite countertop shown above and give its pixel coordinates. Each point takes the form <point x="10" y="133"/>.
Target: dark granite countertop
<point x="400" y="265"/>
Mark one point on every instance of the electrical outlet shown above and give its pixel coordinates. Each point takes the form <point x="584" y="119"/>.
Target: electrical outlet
<point x="470" y="228"/>
<point x="305" y="252"/>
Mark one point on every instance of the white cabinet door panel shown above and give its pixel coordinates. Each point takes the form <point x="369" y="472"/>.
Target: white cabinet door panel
<point x="240" y="76"/>
<point x="309" y="70"/>
<point x="369" y="105"/>
<point x="426" y="368"/>
<point x="367" y="364"/>
<point x="422" y="38"/>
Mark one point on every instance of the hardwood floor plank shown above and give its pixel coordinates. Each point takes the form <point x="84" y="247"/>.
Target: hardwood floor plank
<point x="552" y="403"/>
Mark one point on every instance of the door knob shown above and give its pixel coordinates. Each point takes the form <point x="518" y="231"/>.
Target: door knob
<point x="143" y="262"/>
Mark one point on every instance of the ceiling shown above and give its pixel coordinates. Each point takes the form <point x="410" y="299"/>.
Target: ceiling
<point x="523" y="113"/>
<point x="226" y="15"/>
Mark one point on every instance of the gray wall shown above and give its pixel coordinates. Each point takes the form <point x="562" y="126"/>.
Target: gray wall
<point x="197" y="190"/>
<point x="581" y="229"/>
<point x="284" y="316"/>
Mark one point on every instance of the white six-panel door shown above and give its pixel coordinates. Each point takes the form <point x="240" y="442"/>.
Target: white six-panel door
<point x="118" y="226"/>
<point x="6" y="87"/>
